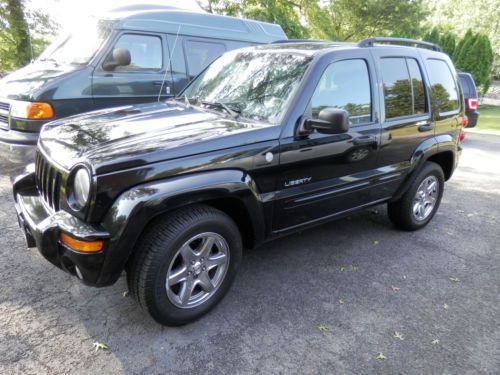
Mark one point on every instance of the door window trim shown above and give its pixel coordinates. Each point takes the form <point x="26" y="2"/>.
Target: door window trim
<point x="373" y="119"/>
<point x="414" y="116"/>
<point x="143" y="71"/>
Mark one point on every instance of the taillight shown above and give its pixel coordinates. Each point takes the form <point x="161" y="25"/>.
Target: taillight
<point x="472" y="104"/>
<point x="464" y="123"/>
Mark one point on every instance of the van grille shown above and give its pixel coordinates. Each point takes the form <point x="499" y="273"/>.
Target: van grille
<point x="48" y="181"/>
<point x="4" y="114"/>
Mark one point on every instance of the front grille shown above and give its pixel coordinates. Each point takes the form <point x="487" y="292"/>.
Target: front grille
<point x="4" y="114"/>
<point x="5" y="106"/>
<point x="48" y="181"/>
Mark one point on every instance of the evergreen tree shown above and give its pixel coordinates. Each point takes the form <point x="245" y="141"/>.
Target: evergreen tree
<point x="433" y="36"/>
<point x="448" y="42"/>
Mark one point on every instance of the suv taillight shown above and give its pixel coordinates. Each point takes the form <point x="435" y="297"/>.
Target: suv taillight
<point x="472" y="104"/>
<point x="465" y="122"/>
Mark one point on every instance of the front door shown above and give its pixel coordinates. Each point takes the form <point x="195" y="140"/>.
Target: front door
<point x="323" y="175"/>
<point x="141" y="80"/>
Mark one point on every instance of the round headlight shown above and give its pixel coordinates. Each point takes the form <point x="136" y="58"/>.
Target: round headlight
<point x="81" y="187"/>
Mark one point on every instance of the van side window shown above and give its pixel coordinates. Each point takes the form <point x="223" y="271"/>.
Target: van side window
<point x="444" y="91"/>
<point x="200" y="54"/>
<point x="145" y="52"/>
<point x="345" y="85"/>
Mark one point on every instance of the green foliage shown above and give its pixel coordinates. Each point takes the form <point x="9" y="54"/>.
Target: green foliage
<point x="474" y="54"/>
<point x="358" y="19"/>
<point x="445" y="39"/>
<point x="284" y="13"/>
<point x="433" y="36"/>
<point x="21" y="34"/>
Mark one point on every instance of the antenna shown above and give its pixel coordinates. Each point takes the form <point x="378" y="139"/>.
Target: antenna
<point x="167" y="67"/>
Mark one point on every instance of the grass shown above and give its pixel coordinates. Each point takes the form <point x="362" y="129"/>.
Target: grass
<point x="489" y="118"/>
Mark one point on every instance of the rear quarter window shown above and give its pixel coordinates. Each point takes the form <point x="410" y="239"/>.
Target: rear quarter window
<point x="444" y="90"/>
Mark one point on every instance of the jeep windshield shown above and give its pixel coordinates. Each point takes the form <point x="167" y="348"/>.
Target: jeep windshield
<point x="254" y="84"/>
<point x="79" y="46"/>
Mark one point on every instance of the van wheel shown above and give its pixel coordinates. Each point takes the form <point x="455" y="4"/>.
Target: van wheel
<point x="185" y="263"/>
<point x="417" y="206"/>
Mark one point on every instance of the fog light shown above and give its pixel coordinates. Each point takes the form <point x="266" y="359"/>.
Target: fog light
<point x="81" y="246"/>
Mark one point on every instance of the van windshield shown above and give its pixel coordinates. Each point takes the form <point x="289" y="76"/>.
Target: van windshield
<point x="78" y="46"/>
<point x="255" y="84"/>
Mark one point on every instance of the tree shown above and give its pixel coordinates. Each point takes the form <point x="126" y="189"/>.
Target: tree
<point x="445" y="39"/>
<point x="21" y="34"/>
<point x="285" y="13"/>
<point x="357" y="19"/>
<point x="475" y="55"/>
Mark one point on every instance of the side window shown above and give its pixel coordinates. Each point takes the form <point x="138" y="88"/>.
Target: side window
<point x="418" y="88"/>
<point x="464" y="81"/>
<point x="397" y="87"/>
<point x="345" y="85"/>
<point x="444" y="91"/>
<point x="145" y="52"/>
<point x="200" y="54"/>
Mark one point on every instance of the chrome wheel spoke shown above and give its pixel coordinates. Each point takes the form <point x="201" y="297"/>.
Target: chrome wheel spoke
<point x="206" y="246"/>
<point x="186" y="291"/>
<point x="177" y="276"/>
<point x="216" y="261"/>
<point x="187" y="253"/>
<point x="205" y="282"/>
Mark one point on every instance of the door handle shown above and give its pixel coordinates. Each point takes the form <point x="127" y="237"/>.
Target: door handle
<point x="364" y="140"/>
<point x="159" y="83"/>
<point x="425" y="127"/>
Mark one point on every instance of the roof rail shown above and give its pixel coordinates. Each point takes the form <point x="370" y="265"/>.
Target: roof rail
<point x="370" y="42"/>
<point x="300" y="41"/>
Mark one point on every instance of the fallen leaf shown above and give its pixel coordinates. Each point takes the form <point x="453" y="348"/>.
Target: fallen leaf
<point x="395" y="289"/>
<point x="446" y="307"/>
<point x="350" y="267"/>
<point x="435" y="342"/>
<point x="100" y="346"/>
<point x="323" y="328"/>
<point x="399" y="335"/>
<point x="125" y="294"/>
<point x="381" y="356"/>
<point x="376" y="243"/>
<point x="470" y="215"/>
<point x="341" y="301"/>
<point x="455" y="279"/>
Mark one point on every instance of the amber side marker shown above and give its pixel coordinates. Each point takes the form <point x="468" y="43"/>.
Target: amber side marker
<point x="81" y="246"/>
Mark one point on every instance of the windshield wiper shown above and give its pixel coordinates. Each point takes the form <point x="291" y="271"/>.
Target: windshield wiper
<point x="232" y="110"/>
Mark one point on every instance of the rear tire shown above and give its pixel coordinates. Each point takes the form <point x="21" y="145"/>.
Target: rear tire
<point x="184" y="264"/>
<point x="416" y="208"/>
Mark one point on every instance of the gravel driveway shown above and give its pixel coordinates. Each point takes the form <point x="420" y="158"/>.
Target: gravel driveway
<point x="325" y="301"/>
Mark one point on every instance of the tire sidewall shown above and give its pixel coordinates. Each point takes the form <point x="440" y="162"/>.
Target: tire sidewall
<point x="159" y="305"/>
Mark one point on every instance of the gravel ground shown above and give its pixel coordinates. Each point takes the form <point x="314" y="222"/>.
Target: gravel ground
<point x="324" y="301"/>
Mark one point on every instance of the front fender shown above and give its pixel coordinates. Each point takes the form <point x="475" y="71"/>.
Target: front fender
<point x="135" y="208"/>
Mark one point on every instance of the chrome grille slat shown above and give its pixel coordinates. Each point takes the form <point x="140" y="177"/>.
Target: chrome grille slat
<point x="5" y="106"/>
<point x="48" y="180"/>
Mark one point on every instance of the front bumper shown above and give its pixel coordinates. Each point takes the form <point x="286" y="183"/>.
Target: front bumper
<point x="16" y="137"/>
<point x="42" y="228"/>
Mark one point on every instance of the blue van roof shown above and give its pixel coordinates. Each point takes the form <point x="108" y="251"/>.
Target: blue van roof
<point x="197" y="24"/>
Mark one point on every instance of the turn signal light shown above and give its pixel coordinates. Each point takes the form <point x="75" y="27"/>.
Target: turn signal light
<point x="39" y="111"/>
<point x="81" y="246"/>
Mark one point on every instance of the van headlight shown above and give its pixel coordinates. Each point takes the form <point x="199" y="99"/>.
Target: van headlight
<point x="80" y="189"/>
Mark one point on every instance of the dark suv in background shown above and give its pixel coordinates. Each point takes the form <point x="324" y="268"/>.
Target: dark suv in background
<point x="268" y="140"/>
<point x="470" y="97"/>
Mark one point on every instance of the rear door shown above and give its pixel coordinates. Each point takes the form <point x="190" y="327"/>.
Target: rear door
<point x="322" y="175"/>
<point x="139" y="82"/>
<point x="405" y="114"/>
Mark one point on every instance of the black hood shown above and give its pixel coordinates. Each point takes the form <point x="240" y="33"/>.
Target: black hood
<point x="129" y="136"/>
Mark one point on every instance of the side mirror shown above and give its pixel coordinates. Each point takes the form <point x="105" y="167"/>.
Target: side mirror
<point x="330" y="121"/>
<point x="118" y="57"/>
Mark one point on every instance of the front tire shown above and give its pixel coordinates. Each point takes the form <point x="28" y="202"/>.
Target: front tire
<point x="184" y="264"/>
<point x="416" y="208"/>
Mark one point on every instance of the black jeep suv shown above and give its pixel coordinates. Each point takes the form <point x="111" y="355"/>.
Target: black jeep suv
<point x="266" y="141"/>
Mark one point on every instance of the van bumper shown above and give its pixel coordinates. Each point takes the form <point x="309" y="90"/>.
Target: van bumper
<point x="21" y="138"/>
<point x="42" y="227"/>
